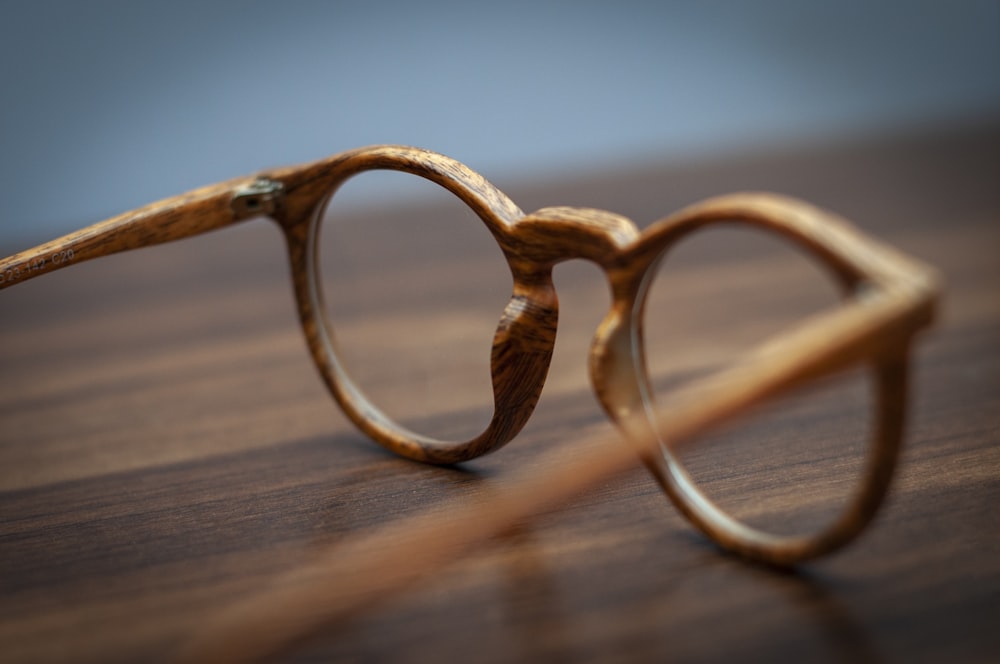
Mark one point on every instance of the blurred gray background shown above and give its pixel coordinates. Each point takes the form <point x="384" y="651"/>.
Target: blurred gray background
<point x="108" y="105"/>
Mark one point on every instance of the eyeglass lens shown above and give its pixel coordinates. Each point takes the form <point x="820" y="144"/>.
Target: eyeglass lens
<point x="414" y="335"/>
<point x="718" y="294"/>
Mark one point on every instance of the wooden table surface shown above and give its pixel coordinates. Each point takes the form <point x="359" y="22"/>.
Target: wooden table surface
<point x="166" y="446"/>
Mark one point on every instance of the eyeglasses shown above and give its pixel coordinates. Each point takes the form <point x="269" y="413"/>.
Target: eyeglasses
<point x="891" y="297"/>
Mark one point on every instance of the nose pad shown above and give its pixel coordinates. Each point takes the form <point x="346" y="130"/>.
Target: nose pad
<point x="618" y="375"/>
<point x="519" y="360"/>
<point x="617" y="367"/>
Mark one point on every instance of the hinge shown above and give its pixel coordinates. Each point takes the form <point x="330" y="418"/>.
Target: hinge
<point x="261" y="197"/>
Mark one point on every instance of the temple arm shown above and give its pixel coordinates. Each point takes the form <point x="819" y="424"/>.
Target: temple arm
<point x="174" y="218"/>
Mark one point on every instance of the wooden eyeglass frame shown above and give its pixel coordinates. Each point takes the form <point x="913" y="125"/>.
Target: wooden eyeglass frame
<point x="891" y="298"/>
